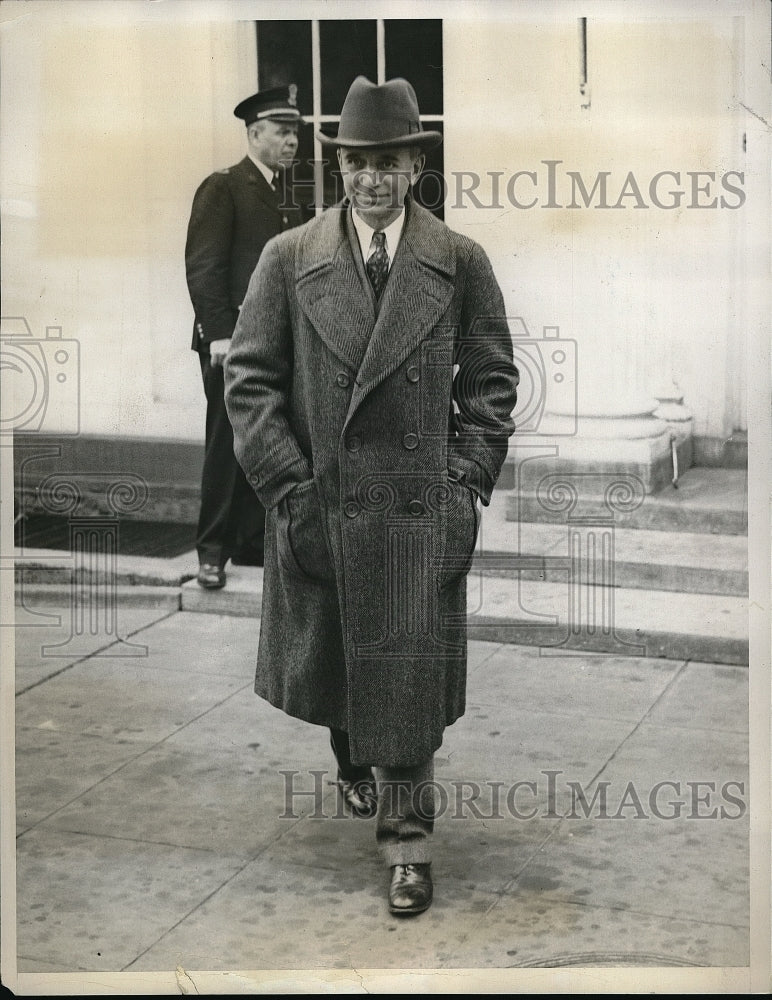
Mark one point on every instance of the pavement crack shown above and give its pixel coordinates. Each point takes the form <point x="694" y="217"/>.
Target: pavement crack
<point x="507" y="887"/>
<point x="361" y="979"/>
<point x="641" y="721"/>
<point x="96" y="653"/>
<point x="183" y="978"/>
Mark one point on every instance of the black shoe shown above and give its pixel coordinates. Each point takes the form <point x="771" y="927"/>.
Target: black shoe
<point x="210" y="576"/>
<point x="411" y="888"/>
<point x="360" y="797"/>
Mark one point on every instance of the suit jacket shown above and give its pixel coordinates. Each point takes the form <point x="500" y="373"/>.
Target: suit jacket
<point x="368" y="447"/>
<point x="234" y="214"/>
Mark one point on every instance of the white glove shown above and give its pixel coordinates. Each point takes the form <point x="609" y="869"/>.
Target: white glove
<point x="218" y="349"/>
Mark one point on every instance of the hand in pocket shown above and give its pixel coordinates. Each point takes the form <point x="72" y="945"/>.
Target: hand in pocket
<point x="303" y="538"/>
<point x="460" y="532"/>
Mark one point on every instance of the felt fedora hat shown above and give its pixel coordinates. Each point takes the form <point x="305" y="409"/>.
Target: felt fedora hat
<point x="384" y="114"/>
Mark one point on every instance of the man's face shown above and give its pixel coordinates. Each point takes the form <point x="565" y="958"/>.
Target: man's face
<point x="274" y="143"/>
<point x="377" y="180"/>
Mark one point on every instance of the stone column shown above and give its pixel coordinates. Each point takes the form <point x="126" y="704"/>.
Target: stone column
<point x="580" y="409"/>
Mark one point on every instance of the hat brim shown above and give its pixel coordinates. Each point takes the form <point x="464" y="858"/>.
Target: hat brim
<point x="423" y="140"/>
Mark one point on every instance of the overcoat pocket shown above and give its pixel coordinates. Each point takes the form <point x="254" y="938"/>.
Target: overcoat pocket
<point x="462" y="525"/>
<point x="302" y="538"/>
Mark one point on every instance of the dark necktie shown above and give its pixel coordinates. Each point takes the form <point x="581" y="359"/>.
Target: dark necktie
<point x="275" y="181"/>
<point x="378" y="264"/>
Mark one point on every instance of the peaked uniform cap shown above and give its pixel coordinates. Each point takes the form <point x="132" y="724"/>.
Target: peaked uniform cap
<point x="280" y="104"/>
<point x="384" y="114"/>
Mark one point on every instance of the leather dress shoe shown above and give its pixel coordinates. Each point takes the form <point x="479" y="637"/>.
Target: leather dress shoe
<point x="411" y="888"/>
<point x="360" y="797"/>
<point x="210" y="576"/>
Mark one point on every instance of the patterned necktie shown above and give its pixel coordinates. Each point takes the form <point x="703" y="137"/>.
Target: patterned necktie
<point x="275" y="181"/>
<point x="378" y="264"/>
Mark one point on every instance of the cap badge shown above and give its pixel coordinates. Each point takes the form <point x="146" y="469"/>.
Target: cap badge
<point x="293" y="95"/>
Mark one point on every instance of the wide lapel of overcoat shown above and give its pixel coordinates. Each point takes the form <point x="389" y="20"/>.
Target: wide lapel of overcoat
<point x="417" y="294"/>
<point x="329" y="289"/>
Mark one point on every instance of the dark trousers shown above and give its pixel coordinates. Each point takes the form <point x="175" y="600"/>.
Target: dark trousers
<point x="405" y="819"/>
<point x="231" y="519"/>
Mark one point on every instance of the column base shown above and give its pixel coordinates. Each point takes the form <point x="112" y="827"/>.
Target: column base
<point x="606" y="464"/>
<point x="637" y="444"/>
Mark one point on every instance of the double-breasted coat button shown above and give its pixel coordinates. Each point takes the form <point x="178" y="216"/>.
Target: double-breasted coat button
<point x="410" y="441"/>
<point x="415" y="507"/>
<point x="351" y="508"/>
<point x="343" y="380"/>
<point x="284" y="219"/>
<point x="353" y="442"/>
<point x="199" y="328"/>
<point x="413" y="373"/>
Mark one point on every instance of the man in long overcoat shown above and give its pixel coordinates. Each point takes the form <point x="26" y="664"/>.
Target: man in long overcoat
<point x="370" y="385"/>
<point x="235" y="212"/>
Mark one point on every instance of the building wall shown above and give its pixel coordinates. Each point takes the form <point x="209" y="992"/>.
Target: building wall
<point x="109" y="127"/>
<point x="647" y="293"/>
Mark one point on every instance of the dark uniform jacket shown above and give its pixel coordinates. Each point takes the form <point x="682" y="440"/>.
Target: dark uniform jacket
<point x="234" y="214"/>
<point x="344" y="423"/>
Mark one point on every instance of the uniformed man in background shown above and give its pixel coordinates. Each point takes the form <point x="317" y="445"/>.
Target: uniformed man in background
<point x="235" y="212"/>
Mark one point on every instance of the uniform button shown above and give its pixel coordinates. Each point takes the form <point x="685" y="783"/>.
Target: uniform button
<point x="284" y="219"/>
<point x="353" y="442"/>
<point x="200" y="328"/>
<point x="413" y="374"/>
<point x="351" y="509"/>
<point x="415" y="507"/>
<point x="410" y="441"/>
<point x="343" y="380"/>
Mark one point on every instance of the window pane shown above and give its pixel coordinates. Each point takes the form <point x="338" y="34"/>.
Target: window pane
<point x="347" y="49"/>
<point x="302" y="174"/>
<point x="284" y="56"/>
<point x="414" y="51"/>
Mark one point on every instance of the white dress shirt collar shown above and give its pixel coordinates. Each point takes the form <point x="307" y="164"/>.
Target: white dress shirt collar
<point x="393" y="233"/>
<point x="265" y="171"/>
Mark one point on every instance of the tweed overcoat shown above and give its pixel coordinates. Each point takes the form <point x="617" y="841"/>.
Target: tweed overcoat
<point x="369" y="432"/>
<point x="234" y="214"/>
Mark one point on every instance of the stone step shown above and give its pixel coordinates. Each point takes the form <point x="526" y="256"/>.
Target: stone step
<point x="241" y="597"/>
<point x="637" y="558"/>
<point x="28" y="596"/>
<point x="621" y="621"/>
<point x="703" y="627"/>
<point x="55" y="566"/>
<point x="642" y="559"/>
<point x="707" y="501"/>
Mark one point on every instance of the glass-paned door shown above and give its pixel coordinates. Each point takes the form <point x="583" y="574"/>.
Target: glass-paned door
<point x="323" y="57"/>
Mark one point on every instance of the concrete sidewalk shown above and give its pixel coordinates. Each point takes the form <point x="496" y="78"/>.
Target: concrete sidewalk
<point x="156" y="829"/>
